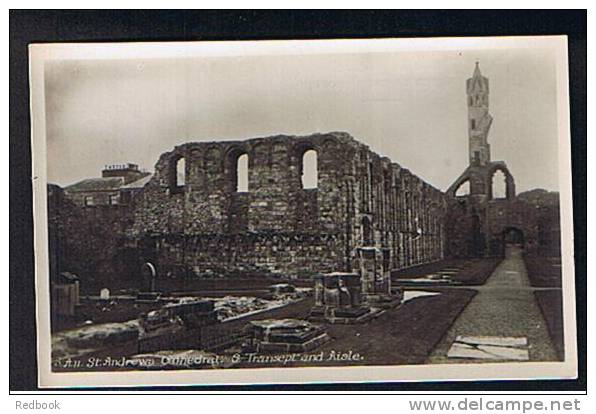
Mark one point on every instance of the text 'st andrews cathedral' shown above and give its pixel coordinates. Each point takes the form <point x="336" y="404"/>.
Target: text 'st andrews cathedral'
<point x="188" y="217"/>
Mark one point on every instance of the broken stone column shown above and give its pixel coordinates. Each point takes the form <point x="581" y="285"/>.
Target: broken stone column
<point x="376" y="278"/>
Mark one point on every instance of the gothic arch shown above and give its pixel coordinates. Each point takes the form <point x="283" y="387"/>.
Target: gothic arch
<point x="461" y="186"/>
<point x="177" y="173"/>
<point x="463" y="179"/>
<point x="302" y="146"/>
<point x="330" y="144"/>
<point x="213" y="159"/>
<point x="238" y="172"/>
<point x="299" y="152"/>
<point x="509" y="181"/>
<point x="513" y="235"/>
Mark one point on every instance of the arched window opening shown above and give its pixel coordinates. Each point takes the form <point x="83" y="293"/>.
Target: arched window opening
<point x="463" y="189"/>
<point x="242" y="173"/>
<point x="310" y="172"/>
<point x="180" y="172"/>
<point x="367" y="237"/>
<point x="499" y="184"/>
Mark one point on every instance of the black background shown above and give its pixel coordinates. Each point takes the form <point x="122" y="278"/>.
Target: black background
<point x="110" y="25"/>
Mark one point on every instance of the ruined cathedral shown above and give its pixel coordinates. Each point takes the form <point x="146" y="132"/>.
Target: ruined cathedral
<point x="192" y="218"/>
<point x="480" y="222"/>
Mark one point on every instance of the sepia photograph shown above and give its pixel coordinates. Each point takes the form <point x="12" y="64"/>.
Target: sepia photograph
<point x="261" y="212"/>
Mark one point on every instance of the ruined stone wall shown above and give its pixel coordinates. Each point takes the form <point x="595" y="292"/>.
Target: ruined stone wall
<point x="88" y="241"/>
<point x="284" y="254"/>
<point x="277" y="226"/>
<point x="478" y="228"/>
<point x="204" y="225"/>
<point x="396" y="210"/>
<point x="208" y="202"/>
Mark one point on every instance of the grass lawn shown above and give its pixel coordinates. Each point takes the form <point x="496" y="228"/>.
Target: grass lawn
<point x="425" y="269"/>
<point x="546" y="272"/>
<point x="543" y="271"/>
<point x="476" y="272"/>
<point x="400" y="336"/>
<point x="473" y="271"/>
<point x="551" y="305"/>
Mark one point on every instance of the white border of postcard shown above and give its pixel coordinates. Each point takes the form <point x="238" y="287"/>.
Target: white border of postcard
<point x="39" y="54"/>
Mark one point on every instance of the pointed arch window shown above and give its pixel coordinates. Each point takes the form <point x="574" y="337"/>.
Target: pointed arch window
<point x="463" y="189"/>
<point x="499" y="185"/>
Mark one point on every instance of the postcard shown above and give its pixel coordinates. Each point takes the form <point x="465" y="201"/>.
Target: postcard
<point x="326" y="211"/>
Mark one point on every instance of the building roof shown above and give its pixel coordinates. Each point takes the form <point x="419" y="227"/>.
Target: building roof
<point x="140" y="183"/>
<point x="106" y="184"/>
<point x="96" y="184"/>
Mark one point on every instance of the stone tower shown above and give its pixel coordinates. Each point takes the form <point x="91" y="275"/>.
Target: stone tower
<point x="480" y="170"/>
<point x="476" y="219"/>
<point x="479" y="120"/>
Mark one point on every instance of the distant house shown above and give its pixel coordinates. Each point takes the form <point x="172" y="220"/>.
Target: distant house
<point x="116" y="186"/>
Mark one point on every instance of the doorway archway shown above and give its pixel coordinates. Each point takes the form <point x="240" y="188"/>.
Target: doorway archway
<point x="513" y="236"/>
<point x="513" y="241"/>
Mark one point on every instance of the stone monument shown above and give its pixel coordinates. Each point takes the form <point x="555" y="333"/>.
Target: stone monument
<point x="284" y="335"/>
<point x="338" y="299"/>
<point x="376" y="278"/>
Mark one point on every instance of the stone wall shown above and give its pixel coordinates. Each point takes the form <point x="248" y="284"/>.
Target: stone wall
<point x="201" y="224"/>
<point x="88" y="241"/>
<point x="477" y="228"/>
<point x="193" y="223"/>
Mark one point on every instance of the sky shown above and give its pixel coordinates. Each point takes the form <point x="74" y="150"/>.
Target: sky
<point x="408" y="106"/>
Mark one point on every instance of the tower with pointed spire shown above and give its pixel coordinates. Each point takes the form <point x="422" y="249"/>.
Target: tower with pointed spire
<point x="479" y="119"/>
<point x="481" y="168"/>
<point x="480" y="210"/>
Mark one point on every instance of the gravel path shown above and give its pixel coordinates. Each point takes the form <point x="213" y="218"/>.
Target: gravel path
<point x="504" y="306"/>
